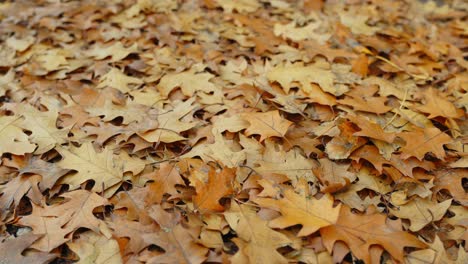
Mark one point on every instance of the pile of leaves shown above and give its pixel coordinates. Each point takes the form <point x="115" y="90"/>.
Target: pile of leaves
<point x="247" y="131"/>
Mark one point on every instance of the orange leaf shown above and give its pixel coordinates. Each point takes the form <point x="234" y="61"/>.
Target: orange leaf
<point x="360" y="232"/>
<point x="295" y="209"/>
<point x="218" y="186"/>
<point x="165" y="180"/>
<point x="435" y="105"/>
<point x="422" y="141"/>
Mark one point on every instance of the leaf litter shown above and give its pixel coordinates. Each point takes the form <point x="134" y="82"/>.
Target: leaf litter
<point x="165" y="131"/>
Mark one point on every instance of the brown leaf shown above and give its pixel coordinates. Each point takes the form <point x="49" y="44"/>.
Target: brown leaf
<point x="57" y="221"/>
<point x="179" y="246"/>
<point x="268" y="124"/>
<point x="165" y="180"/>
<point x="295" y="209"/>
<point x="12" y="250"/>
<point x="333" y="176"/>
<point x="256" y="241"/>
<point x="360" y="232"/>
<point x="422" y="141"/>
<point x="217" y="186"/>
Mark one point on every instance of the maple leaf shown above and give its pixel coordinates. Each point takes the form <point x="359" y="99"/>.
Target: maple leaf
<point x="268" y="124"/>
<point x="218" y="185"/>
<point x="12" y="249"/>
<point x="258" y="243"/>
<point x="360" y="232"/>
<point x="422" y="141"/>
<point x="55" y="222"/>
<point x="295" y="209"/>
<point x="14" y="140"/>
<point x="104" y="168"/>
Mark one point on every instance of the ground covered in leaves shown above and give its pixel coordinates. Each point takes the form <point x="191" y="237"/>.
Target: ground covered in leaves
<point x="250" y="131"/>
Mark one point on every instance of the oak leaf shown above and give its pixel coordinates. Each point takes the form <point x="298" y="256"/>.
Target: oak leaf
<point x="268" y="124"/>
<point x="95" y="248"/>
<point x="12" y="249"/>
<point x="189" y="82"/>
<point x="116" y="51"/>
<point x="421" y="212"/>
<point x="452" y="181"/>
<point x="222" y="151"/>
<point x="258" y="243"/>
<point x="133" y="231"/>
<point x="295" y="209"/>
<point x="435" y="105"/>
<point x="422" y="141"/>
<point x="333" y="176"/>
<point x="275" y="160"/>
<point x="118" y="80"/>
<point x="43" y="127"/>
<point x="179" y="246"/>
<point x="49" y="172"/>
<point x="14" y="190"/>
<point x="360" y="232"/>
<point x="165" y="179"/>
<point x="217" y="186"/>
<point x="104" y="168"/>
<point x="371" y="129"/>
<point x="340" y="147"/>
<point x="14" y="140"/>
<point x="57" y="221"/>
<point x="170" y="124"/>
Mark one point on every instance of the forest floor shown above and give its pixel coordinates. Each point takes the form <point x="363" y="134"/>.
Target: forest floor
<point x="247" y="131"/>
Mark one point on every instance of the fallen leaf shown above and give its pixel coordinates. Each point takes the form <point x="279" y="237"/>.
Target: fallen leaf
<point x="217" y="186"/>
<point x="268" y="124"/>
<point x="313" y="214"/>
<point x="422" y="141"/>
<point x="104" y="168"/>
<point x="12" y="250"/>
<point x="257" y="242"/>
<point x="360" y="232"/>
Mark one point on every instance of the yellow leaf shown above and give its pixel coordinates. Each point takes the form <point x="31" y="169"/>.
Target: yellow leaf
<point x="104" y="168"/>
<point x="14" y="140"/>
<point x="311" y="213"/>
<point x="118" y="80"/>
<point x="268" y="124"/>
